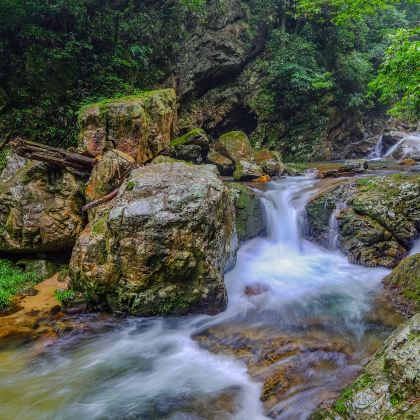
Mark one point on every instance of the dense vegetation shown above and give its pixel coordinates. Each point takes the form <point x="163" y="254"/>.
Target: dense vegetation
<point x="57" y="55"/>
<point x="12" y="281"/>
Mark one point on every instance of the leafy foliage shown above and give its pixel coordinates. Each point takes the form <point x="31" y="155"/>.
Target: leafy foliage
<point x="12" y="281"/>
<point x="398" y="80"/>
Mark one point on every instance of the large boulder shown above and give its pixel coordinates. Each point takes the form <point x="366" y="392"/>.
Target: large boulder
<point x="250" y="214"/>
<point x="236" y="146"/>
<point x="378" y="218"/>
<point x="403" y="285"/>
<point x="389" y="385"/>
<point x="161" y="247"/>
<point x="139" y="125"/>
<point x="40" y="207"/>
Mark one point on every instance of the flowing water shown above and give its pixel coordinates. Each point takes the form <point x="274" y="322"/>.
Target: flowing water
<point x="300" y="322"/>
<point x="407" y="147"/>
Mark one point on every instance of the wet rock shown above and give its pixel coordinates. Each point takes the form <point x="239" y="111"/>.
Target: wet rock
<point x="236" y="146"/>
<point x="250" y="215"/>
<point x="41" y="267"/>
<point x="378" y="218"/>
<point x="404" y="285"/>
<point x="270" y="162"/>
<point x="138" y="125"/>
<point x="40" y="208"/>
<point x="108" y="173"/>
<point x="359" y="166"/>
<point x="408" y="148"/>
<point x="247" y="171"/>
<point x="389" y="385"/>
<point x="192" y="146"/>
<point x="224" y="165"/>
<point x="162" y="245"/>
<point x="407" y="162"/>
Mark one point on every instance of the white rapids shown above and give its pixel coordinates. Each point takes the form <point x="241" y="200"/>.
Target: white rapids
<point x="154" y="369"/>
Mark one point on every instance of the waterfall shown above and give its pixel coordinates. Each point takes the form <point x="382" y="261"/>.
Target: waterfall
<point x="409" y="144"/>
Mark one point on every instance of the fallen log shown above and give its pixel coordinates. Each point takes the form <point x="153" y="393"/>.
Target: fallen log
<point x="52" y="155"/>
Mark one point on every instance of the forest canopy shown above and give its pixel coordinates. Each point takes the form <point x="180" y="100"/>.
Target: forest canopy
<point x="58" y="55"/>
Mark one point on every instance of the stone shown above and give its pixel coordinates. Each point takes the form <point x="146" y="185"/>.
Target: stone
<point x="270" y="162"/>
<point x="236" y="146"/>
<point x="378" y="218"/>
<point x="40" y="208"/>
<point x="407" y="162"/>
<point x="403" y="284"/>
<point x="139" y="125"/>
<point x="192" y="146"/>
<point x="250" y="214"/>
<point x="107" y="173"/>
<point x="42" y="268"/>
<point x="247" y="171"/>
<point x="359" y="166"/>
<point x="388" y="387"/>
<point x="224" y="165"/>
<point x="162" y="245"/>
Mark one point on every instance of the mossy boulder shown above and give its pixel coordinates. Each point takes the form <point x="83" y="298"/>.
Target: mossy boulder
<point x="161" y="246"/>
<point x="40" y="207"/>
<point x="250" y="215"/>
<point x="236" y="146"/>
<point x="224" y="165"/>
<point x="108" y="173"/>
<point x="389" y="386"/>
<point x="139" y="125"/>
<point x="378" y="218"/>
<point x="404" y="285"/>
<point x="270" y="162"/>
<point x="196" y="140"/>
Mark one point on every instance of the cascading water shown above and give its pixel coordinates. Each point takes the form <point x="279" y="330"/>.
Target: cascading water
<point x="299" y="318"/>
<point x="408" y="146"/>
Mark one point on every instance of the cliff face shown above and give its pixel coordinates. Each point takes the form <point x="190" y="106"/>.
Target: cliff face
<point x="224" y="80"/>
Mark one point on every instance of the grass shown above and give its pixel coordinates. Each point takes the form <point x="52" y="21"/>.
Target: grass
<point x="64" y="295"/>
<point x="13" y="281"/>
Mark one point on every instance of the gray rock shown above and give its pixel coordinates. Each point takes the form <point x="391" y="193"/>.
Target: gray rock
<point x="162" y="245"/>
<point x="40" y="208"/>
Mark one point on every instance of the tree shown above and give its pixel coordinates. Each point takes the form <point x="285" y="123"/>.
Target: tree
<point x="398" y="80"/>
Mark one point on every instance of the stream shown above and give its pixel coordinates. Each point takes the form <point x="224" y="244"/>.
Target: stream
<point x="300" y="323"/>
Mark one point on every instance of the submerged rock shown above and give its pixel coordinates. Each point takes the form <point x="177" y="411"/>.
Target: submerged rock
<point x="404" y="285"/>
<point x="40" y="208"/>
<point x="162" y="245"/>
<point x="378" y="218"/>
<point x="250" y="215"/>
<point x="139" y="125"/>
<point x="389" y="386"/>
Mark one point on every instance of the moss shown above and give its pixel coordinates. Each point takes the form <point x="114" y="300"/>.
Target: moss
<point x="139" y="95"/>
<point x="186" y="138"/>
<point x="361" y="383"/>
<point x="100" y="224"/>
<point x="396" y="399"/>
<point x="3" y="158"/>
<point x="130" y="185"/>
